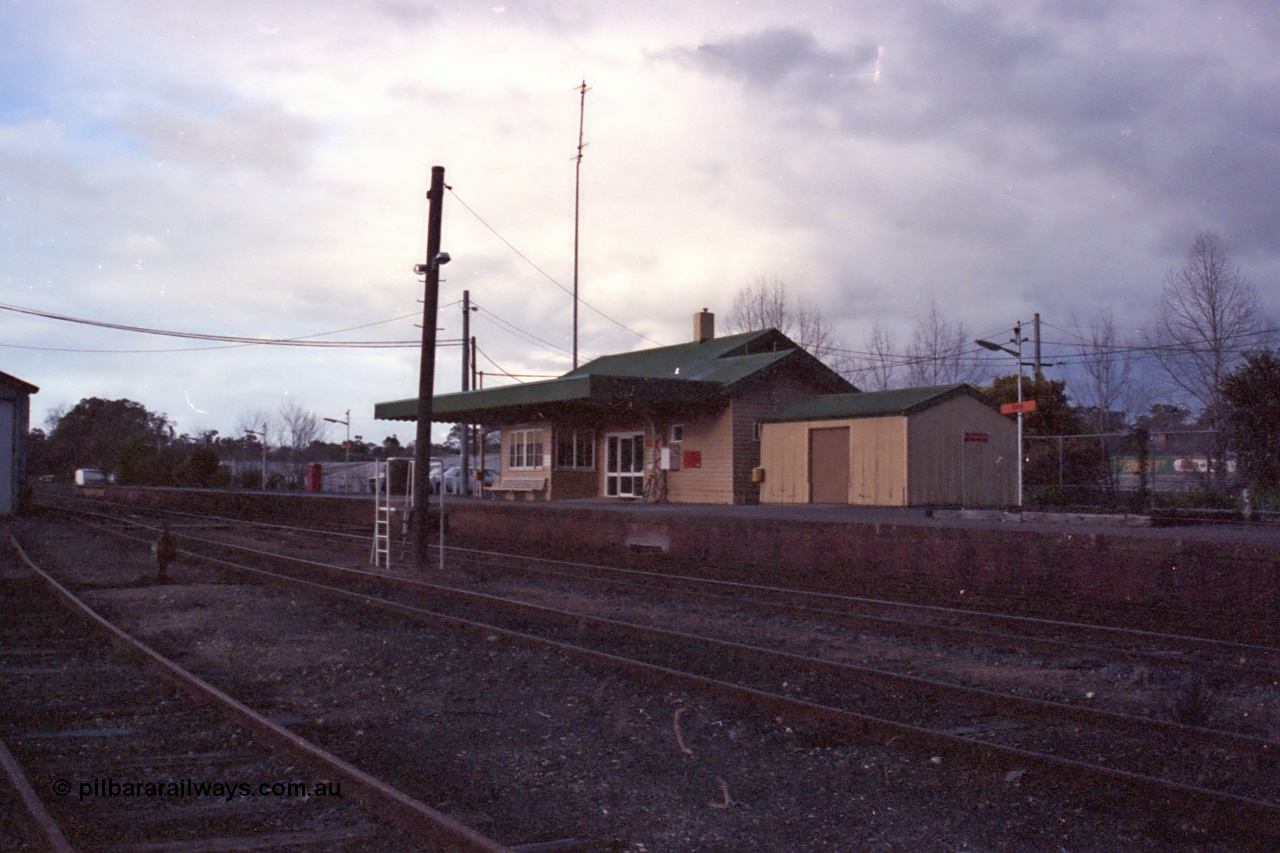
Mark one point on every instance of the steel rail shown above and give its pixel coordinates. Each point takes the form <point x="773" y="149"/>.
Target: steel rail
<point x="977" y="697"/>
<point x="907" y="627"/>
<point x="1224" y="811"/>
<point x="267" y="525"/>
<point x="414" y="817"/>
<point x="1226" y="646"/>
<point x="974" y="696"/>
<point x="50" y="836"/>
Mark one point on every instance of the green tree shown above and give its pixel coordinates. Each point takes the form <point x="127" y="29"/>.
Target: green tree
<point x="1251" y="418"/>
<point x="203" y="469"/>
<point x="115" y="436"/>
<point x="1076" y="462"/>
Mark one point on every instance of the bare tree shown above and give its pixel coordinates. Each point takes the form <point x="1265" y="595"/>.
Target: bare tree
<point x="763" y="304"/>
<point x="300" y="426"/>
<point x="1209" y="316"/>
<point x="1105" y="394"/>
<point x="1108" y="366"/>
<point x="877" y="367"/>
<point x="256" y="420"/>
<point x="766" y="304"/>
<point x="939" y="353"/>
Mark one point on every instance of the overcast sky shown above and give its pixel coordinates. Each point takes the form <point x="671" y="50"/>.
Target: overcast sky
<point x="258" y="169"/>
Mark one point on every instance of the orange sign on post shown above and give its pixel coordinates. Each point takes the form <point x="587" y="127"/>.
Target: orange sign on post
<point x="1014" y="408"/>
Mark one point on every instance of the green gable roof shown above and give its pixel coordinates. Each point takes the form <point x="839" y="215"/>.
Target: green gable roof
<point x="871" y="404"/>
<point x="686" y="361"/>
<point x="679" y="375"/>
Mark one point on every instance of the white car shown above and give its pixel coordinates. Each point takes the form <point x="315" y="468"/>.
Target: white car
<point x="453" y="480"/>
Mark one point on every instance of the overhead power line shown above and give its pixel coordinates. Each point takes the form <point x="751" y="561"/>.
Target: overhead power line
<point x="237" y="340"/>
<point x="546" y="274"/>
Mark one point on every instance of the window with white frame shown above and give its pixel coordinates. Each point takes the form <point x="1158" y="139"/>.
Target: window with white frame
<point x="576" y="448"/>
<point x="677" y="433"/>
<point x="525" y="449"/>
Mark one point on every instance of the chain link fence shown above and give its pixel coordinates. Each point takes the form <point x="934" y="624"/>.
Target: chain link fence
<point x="1130" y="471"/>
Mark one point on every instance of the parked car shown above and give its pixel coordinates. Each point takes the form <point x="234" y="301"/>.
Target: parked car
<point x="453" y="480"/>
<point x="89" y="477"/>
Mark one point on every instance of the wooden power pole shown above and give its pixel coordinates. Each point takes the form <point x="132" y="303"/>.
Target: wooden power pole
<point x="427" y="368"/>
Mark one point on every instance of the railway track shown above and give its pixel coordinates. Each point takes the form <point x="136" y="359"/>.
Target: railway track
<point x="113" y="747"/>
<point x="1190" y="774"/>
<point x="1213" y="660"/>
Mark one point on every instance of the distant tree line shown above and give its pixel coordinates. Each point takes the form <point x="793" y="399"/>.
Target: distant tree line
<point x="135" y="446"/>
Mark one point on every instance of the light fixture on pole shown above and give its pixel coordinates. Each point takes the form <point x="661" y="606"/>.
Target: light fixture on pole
<point x="346" y="445"/>
<point x="1017" y="354"/>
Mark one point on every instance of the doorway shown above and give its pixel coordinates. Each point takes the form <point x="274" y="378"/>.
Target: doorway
<point x="829" y="465"/>
<point x="624" y="465"/>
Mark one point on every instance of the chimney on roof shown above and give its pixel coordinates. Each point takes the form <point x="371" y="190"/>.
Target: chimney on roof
<point x="704" y="326"/>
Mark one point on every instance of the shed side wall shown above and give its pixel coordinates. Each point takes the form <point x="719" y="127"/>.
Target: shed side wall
<point x="936" y="443"/>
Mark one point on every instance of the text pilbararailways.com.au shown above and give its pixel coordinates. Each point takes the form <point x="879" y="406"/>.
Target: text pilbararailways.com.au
<point x="193" y="788"/>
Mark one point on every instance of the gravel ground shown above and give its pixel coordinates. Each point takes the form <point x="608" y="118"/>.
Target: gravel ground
<point x="527" y="746"/>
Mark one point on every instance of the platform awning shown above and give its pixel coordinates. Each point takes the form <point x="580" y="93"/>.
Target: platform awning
<point x="577" y="398"/>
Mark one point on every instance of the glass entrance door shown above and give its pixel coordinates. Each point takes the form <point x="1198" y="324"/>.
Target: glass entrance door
<point x="624" y="469"/>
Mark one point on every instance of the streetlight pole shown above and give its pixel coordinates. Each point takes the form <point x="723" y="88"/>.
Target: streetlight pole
<point x="1017" y="354"/>
<point x="263" y="436"/>
<point x="346" y="474"/>
<point x="1017" y="336"/>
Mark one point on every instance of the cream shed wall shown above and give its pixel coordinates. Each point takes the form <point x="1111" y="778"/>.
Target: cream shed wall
<point x="877" y="460"/>
<point x="901" y="460"/>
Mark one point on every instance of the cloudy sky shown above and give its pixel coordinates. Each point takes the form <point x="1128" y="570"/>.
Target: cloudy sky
<point x="258" y="170"/>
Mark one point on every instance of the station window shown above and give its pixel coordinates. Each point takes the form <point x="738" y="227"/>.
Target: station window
<point x="525" y="449"/>
<point x="576" y="448"/>
<point x="677" y="433"/>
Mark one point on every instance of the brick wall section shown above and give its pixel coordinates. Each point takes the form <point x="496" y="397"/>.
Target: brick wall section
<point x="1227" y="589"/>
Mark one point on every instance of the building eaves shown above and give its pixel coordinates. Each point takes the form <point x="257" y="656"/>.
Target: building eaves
<point x="17" y="384"/>
<point x="531" y="400"/>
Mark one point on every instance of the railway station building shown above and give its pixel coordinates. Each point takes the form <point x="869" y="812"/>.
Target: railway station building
<point x="15" y="423"/>
<point x="679" y="423"/>
<point x="742" y="419"/>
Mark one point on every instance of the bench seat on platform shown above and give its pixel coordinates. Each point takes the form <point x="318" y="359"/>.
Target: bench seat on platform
<point x="528" y="487"/>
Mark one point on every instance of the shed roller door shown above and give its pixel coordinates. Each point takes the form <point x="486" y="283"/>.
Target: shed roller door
<point x="829" y="465"/>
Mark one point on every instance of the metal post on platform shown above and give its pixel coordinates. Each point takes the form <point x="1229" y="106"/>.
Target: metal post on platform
<point x="346" y="476"/>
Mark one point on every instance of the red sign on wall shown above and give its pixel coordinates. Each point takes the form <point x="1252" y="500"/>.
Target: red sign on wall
<point x="691" y="459"/>
<point x="976" y="437"/>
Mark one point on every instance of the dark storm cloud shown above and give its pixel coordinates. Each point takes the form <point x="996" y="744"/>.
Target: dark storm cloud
<point x="1188" y="122"/>
<point x="775" y="56"/>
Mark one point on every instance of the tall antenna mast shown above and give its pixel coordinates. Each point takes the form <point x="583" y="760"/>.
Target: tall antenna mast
<point x="577" y="197"/>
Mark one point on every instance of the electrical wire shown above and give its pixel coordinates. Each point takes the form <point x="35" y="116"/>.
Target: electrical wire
<point x="236" y="340"/>
<point x="519" y="377"/>
<point x="547" y="275"/>
<point x="529" y="337"/>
